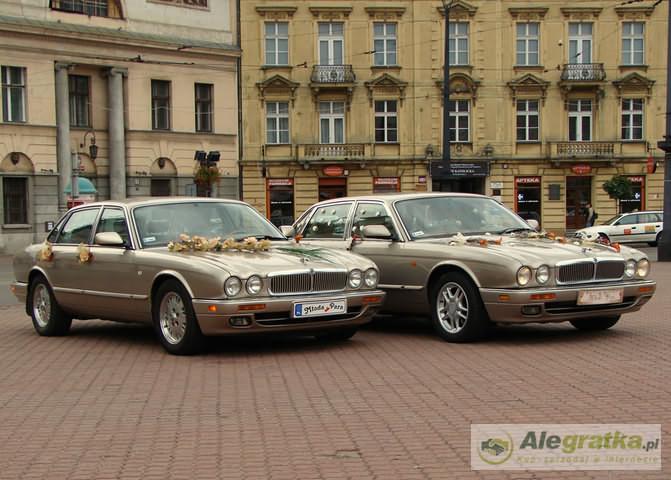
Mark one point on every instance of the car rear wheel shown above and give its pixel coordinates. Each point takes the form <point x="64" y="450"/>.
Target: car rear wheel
<point x="658" y="238"/>
<point x="339" y="335"/>
<point x="175" y="321"/>
<point x="595" y="324"/>
<point x="457" y="312"/>
<point x="48" y="318"/>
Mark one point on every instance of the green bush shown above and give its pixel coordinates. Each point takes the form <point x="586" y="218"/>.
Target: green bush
<point x="618" y="187"/>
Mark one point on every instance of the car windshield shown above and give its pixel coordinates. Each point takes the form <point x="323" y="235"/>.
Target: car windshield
<point x="157" y="225"/>
<point x="611" y="220"/>
<point x="446" y="216"/>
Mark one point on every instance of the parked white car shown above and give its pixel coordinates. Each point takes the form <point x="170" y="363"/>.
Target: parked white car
<point x="634" y="227"/>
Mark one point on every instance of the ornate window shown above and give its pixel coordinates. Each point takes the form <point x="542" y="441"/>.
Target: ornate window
<point x="386" y="121"/>
<point x="460" y="121"/>
<point x="632" y="119"/>
<point x="633" y="49"/>
<point x="528" y="125"/>
<point x="277" y="123"/>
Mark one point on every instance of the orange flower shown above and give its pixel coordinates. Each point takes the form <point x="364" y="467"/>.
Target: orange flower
<point x="298" y="237"/>
<point x="483" y="242"/>
<point x="616" y="247"/>
<point x="498" y="241"/>
<point x="551" y="235"/>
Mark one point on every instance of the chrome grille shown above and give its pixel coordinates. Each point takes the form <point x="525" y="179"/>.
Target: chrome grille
<point x="610" y="270"/>
<point x="576" y="272"/>
<point x="307" y="282"/>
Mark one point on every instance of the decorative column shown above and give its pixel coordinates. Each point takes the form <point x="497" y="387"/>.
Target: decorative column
<point x="63" y="159"/>
<point x="117" y="133"/>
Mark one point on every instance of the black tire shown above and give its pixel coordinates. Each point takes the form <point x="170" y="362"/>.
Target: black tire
<point x="339" y="335"/>
<point x="476" y="325"/>
<point x="48" y="317"/>
<point x="189" y="341"/>
<point x="595" y="324"/>
<point x="657" y="240"/>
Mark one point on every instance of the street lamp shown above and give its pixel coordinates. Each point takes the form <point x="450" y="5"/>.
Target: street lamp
<point x="442" y="169"/>
<point x="93" y="148"/>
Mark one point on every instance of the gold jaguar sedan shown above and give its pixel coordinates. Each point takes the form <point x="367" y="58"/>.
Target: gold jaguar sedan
<point x="469" y="262"/>
<point x="192" y="267"/>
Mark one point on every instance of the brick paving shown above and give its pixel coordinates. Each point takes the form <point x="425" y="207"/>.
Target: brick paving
<point x="393" y="403"/>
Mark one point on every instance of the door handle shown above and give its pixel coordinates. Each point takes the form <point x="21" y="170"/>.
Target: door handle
<point x="633" y="228"/>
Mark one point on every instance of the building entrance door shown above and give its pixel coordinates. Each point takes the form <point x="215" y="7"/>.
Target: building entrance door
<point x="330" y="188"/>
<point x="578" y="195"/>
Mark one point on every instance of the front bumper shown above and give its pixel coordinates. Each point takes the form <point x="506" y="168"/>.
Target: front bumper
<point x="265" y="314"/>
<point x="559" y="304"/>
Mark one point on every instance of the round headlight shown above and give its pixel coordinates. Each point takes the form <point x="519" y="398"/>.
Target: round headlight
<point x="542" y="274"/>
<point x="254" y="285"/>
<point x="630" y="268"/>
<point x="370" y="278"/>
<point x="523" y="276"/>
<point x="232" y="286"/>
<point x="642" y="268"/>
<point x="354" y="278"/>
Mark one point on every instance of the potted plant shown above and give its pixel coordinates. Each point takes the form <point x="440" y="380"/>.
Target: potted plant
<point x="618" y="188"/>
<point x="205" y="176"/>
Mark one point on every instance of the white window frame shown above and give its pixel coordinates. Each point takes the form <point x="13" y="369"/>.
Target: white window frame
<point x="580" y="117"/>
<point x="629" y="38"/>
<point x="331" y="116"/>
<point x="526" y="114"/>
<point x="332" y="40"/>
<point x="630" y="113"/>
<point x="275" y="115"/>
<point x="457" y="114"/>
<point x="579" y="38"/>
<point x="527" y="39"/>
<point x="6" y="71"/>
<point x="388" y="56"/>
<point x="275" y="37"/>
<point x="386" y="114"/>
<point x="459" y="31"/>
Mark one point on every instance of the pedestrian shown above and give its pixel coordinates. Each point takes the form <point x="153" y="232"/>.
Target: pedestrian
<point x="591" y="215"/>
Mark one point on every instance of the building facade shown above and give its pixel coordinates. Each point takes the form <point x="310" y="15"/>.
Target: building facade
<point x="124" y="91"/>
<point x="547" y="101"/>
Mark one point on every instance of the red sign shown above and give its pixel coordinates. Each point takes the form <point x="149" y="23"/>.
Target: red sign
<point x="651" y="165"/>
<point x="581" y="169"/>
<point x="333" y="171"/>
<point x="528" y="180"/>
<point x="385" y="181"/>
<point x="280" y="182"/>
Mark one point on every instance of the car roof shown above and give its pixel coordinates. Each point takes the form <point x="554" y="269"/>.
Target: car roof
<point x="394" y="196"/>
<point x="643" y="211"/>
<point x="142" y="201"/>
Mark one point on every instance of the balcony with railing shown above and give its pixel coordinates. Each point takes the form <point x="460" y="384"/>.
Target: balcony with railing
<point x="332" y="74"/>
<point x="567" y="151"/>
<point x="583" y="72"/>
<point x="330" y="151"/>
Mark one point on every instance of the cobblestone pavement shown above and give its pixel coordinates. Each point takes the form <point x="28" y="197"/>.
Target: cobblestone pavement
<point x="393" y="403"/>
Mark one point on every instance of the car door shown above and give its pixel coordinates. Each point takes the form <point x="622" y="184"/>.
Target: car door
<point x="67" y="275"/>
<point x="119" y="288"/>
<point x="327" y="225"/>
<point x="625" y="229"/>
<point x="649" y="226"/>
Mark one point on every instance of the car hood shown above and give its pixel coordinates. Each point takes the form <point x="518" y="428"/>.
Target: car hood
<point x="282" y="256"/>
<point x="538" y="251"/>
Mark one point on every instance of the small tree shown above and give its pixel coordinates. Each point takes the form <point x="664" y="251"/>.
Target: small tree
<point x="618" y="188"/>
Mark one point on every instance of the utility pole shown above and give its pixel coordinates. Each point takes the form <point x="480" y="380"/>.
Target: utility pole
<point x="442" y="169"/>
<point x="664" y="245"/>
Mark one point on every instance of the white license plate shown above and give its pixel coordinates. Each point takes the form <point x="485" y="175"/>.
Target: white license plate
<point x="600" y="297"/>
<point x="318" y="309"/>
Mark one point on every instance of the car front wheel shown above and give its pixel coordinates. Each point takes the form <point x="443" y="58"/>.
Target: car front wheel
<point x="48" y="318"/>
<point x="175" y="321"/>
<point x="457" y="312"/>
<point x="595" y="324"/>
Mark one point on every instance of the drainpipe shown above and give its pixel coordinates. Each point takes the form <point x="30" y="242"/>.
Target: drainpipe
<point x="239" y="79"/>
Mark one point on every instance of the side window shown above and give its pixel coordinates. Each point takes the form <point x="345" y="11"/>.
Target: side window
<point x="78" y="227"/>
<point x="302" y="221"/>
<point x="328" y="222"/>
<point x="628" y="220"/>
<point x="372" y="214"/>
<point x="114" y="220"/>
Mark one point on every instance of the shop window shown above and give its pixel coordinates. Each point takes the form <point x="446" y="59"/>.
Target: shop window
<point x="386" y="184"/>
<point x="15" y="200"/>
<point x="636" y="202"/>
<point x="330" y="188"/>
<point x="280" y="195"/>
<point x="528" y="198"/>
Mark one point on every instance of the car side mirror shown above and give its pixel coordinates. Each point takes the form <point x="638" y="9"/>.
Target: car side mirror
<point x="109" y="239"/>
<point x="287" y="230"/>
<point x="379" y="232"/>
<point x="534" y="224"/>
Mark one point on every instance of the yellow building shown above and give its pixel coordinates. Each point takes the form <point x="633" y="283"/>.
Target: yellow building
<point x="547" y="101"/>
<point x="126" y="90"/>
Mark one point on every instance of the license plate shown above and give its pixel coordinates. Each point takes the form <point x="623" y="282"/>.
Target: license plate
<point x="600" y="297"/>
<point x="318" y="309"/>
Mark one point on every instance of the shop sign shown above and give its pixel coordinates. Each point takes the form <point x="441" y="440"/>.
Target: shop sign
<point x="333" y="171"/>
<point x="636" y="179"/>
<point x="468" y="169"/>
<point x="498" y="185"/>
<point x="528" y="180"/>
<point x="651" y="165"/>
<point x="421" y="179"/>
<point x="386" y="181"/>
<point x="581" y="169"/>
<point x="280" y="182"/>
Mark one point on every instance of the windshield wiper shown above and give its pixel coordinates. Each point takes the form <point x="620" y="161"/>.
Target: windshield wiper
<point x="261" y="237"/>
<point x="515" y="230"/>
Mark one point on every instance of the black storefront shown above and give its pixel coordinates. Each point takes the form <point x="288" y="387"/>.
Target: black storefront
<point x="460" y="176"/>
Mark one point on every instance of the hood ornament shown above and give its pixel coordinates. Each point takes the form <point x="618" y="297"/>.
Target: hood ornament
<point x="305" y="259"/>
